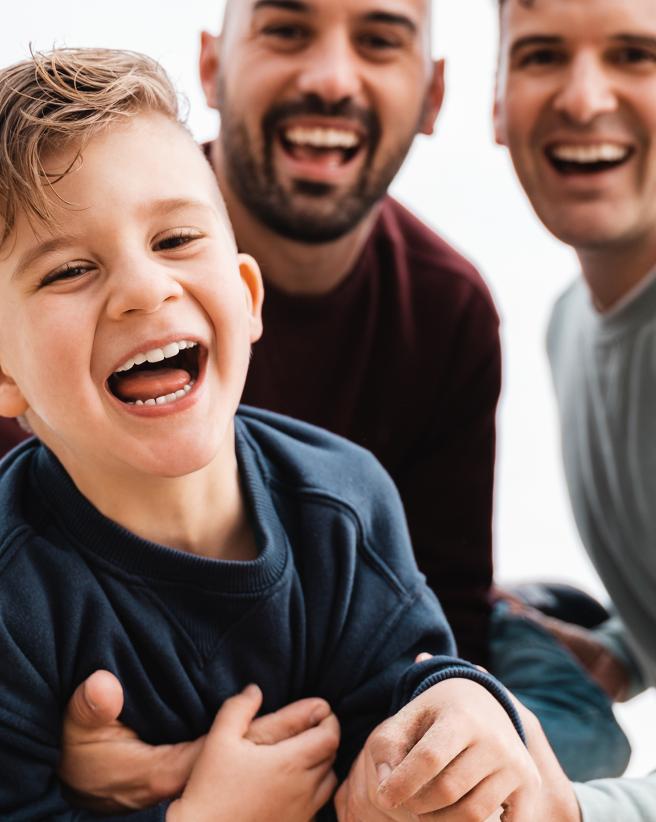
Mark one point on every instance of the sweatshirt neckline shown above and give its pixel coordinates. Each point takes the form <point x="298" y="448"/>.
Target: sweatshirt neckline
<point x="109" y="542"/>
<point x="637" y="308"/>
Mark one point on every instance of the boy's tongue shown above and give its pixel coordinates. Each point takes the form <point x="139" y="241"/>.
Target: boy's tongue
<point x="146" y="385"/>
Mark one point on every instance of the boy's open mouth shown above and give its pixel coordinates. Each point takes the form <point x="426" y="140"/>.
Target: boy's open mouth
<point x="158" y="376"/>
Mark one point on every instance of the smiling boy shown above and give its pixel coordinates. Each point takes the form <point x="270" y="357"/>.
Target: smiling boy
<point x="152" y="531"/>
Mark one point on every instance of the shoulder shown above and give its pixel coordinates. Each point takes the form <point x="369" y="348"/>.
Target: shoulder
<point x="308" y="457"/>
<point x="565" y="318"/>
<point x="432" y="263"/>
<point x="13" y="473"/>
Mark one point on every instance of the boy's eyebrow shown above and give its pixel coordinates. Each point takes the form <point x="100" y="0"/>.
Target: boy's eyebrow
<point x="169" y="204"/>
<point x="40" y="250"/>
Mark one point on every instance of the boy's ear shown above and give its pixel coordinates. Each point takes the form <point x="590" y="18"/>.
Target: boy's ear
<point x="209" y="67"/>
<point x="12" y="401"/>
<point x="434" y="99"/>
<point x="254" y="292"/>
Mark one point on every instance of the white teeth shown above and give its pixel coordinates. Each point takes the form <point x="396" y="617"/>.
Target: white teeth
<point x="167" y="398"/>
<point x="156" y="354"/>
<point x="602" y="152"/>
<point x="322" y="137"/>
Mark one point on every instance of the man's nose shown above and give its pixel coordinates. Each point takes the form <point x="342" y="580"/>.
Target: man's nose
<point x="331" y="70"/>
<point x="587" y="91"/>
<point x="141" y="285"/>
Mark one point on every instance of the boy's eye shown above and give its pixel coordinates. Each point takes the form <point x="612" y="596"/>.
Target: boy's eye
<point x="176" y="239"/>
<point x="70" y="271"/>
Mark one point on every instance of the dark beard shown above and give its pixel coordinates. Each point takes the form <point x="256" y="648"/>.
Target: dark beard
<point x="255" y="183"/>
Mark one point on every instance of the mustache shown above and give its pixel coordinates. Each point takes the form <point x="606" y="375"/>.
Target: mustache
<point x="314" y="105"/>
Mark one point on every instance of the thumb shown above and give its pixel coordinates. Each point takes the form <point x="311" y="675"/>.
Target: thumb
<point x="96" y="702"/>
<point x="237" y="713"/>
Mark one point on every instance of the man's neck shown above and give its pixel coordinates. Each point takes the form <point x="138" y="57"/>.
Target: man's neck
<point x="292" y="266"/>
<point x="611" y="273"/>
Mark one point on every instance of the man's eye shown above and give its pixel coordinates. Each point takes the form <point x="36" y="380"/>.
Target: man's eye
<point x="288" y="32"/>
<point x="70" y="271"/>
<point x="175" y="240"/>
<point x="378" y="42"/>
<point x="541" y="57"/>
<point x="633" y="56"/>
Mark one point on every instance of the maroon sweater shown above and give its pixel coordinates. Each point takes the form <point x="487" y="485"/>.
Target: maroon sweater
<point x="402" y="357"/>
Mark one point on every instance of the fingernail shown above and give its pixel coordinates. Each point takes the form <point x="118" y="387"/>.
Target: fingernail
<point x="88" y="699"/>
<point x="250" y="690"/>
<point x="382" y="771"/>
<point x="318" y="715"/>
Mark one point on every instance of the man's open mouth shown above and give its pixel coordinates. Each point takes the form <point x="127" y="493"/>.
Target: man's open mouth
<point x="160" y="375"/>
<point x="587" y="159"/>
<point x="324" y="145"/>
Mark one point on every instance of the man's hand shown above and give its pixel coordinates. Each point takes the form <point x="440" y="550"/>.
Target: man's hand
<point x="556" y="801"/>
<point x="450" y="754"/>
<point x="235" y="778"/>
<point x="604" y="668"/>
<point x="109" y="769"/>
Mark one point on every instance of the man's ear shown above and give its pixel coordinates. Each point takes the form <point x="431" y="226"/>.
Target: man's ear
<point x="12" y="402"/>
<point x="499" y="120"/>
<point x="434" y="99"/>
<point x="209" y="67"/>
<point x="254" y="291"/>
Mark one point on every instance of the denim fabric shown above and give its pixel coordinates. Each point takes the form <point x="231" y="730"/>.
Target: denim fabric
<point x="575" y="713"/>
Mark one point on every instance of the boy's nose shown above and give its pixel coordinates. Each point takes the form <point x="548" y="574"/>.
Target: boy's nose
<point x="331" y="70"/>
<point x="141" y="286"/>
<point x="586" y="93"/>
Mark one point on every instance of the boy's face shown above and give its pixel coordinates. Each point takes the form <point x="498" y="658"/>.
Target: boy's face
<point x="320" y="101"/>
<point x="139" y="262"/>
<point x="576" y="105"/>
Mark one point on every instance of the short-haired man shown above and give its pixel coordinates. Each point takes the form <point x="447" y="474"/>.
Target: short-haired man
<point x="576" y="106"/>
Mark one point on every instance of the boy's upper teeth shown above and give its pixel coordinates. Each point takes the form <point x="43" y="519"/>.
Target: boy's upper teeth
<point x="322" y="137"/>
<point x="157" y="354"/>
<point x="601" y="152"/>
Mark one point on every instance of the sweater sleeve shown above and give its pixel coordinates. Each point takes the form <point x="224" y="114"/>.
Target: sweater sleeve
<point x="610" y="800"/>
<point x="392" y="617"/>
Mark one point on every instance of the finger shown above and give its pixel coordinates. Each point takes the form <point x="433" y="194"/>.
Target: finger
<point x="288" y="721"/>
<point x="480" y="803"/>
<point x="236" y="714"/>
<point x="96" y="702"/>
<point x="324" y="790"/>
<point x="423" y="657"/>
<point x="458" y="779"/>
<point x="428" y="758"/>
<point x="315" y="745"/>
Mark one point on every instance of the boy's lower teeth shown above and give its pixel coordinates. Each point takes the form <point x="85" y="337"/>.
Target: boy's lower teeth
<point x="167" y="398"/>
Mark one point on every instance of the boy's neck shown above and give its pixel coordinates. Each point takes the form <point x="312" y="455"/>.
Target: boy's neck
<point x="290" y="265"/>
<point x="203" y="513"/>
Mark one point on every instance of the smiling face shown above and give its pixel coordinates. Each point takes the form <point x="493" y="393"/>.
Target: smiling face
<point x="320" y="101"/>
<point x="576" y="105"/>
<point x="125" y="327"/>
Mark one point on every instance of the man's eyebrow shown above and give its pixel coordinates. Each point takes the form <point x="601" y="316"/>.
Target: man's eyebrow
<point x="536" y="40"/>
<point x="285" y="5"/>
<point x="392" y="19"/>
<point x="645" y="40"/>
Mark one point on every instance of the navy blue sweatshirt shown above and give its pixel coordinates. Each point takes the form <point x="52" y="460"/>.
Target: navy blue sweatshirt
<point x="333" y="606"/>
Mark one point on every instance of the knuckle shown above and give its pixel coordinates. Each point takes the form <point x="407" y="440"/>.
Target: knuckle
<point x="450" y="789"/>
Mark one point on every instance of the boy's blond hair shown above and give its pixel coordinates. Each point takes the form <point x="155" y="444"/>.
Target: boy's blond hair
<point x="64" y="97"/>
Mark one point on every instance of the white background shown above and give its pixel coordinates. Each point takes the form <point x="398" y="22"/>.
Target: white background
<point x="458" y="182"/>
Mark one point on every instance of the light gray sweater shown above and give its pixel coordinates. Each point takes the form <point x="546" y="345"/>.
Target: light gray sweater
<point x="604" y="368"/>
